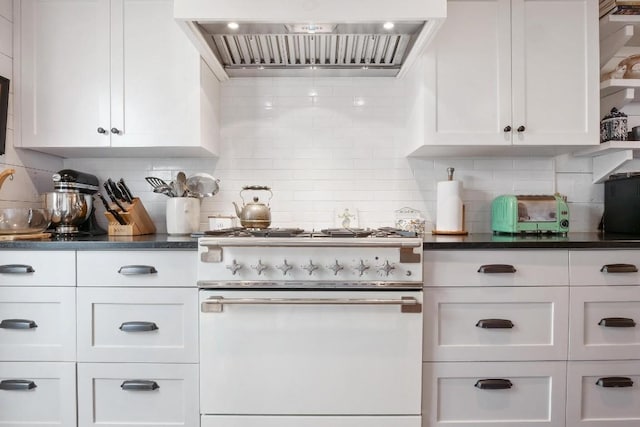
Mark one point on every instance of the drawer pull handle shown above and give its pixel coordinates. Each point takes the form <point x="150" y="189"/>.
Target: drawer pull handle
<point x="140" y="385"/>
<point x="493" y="384"/>
<point x="138" y="326"/>
<point x="615" y="382"/>
<point x="496" y="268"/>
<point x="619" y="268"/>
<point x="617" y="322"/>
<point x="494" y="324"/>
<point x="18" y="324"/>
<point x="17" y="385"/>
<point x="16" y="269"/>
<point x="132" y="270"/>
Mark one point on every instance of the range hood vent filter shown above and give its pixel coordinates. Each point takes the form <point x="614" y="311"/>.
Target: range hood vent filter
<point x="311" y="50"/>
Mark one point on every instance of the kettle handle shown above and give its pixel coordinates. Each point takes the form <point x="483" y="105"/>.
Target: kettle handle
<point x="256" y="187"/>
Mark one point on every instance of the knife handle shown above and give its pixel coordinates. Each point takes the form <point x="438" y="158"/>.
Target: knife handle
<point x="113" y="213"/>
<point x="113" y="197"/>
<point x="126" y="189"/>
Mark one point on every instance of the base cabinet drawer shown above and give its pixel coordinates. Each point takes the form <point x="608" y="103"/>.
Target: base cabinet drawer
<point x="37" y="324"/>
<point x="136" y="395"/>
<point x="38" y="268"/>
<point x="605" y="323"/>
<point x="496" y="323"/>
<point x="137" y="268"/>
<point x="138" y="325"/>
<point x="603" y="394"/>
<point x="508" y="394"/>
<point x="604" y="267"/>
<point x="309" y="421"/>
<point x="496" y="268"/>
<point x="36" y="394"/>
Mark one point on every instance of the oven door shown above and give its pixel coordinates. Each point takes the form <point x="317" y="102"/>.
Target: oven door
<point x="311" y="352"/>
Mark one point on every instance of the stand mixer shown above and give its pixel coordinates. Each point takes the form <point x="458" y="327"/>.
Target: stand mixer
<point x="71" y="203"/>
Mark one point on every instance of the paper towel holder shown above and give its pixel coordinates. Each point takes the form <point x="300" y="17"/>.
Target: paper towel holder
<point x="463" y="232"/>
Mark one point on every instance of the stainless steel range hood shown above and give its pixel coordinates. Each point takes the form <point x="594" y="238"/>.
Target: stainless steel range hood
<point x="287" y="38"/>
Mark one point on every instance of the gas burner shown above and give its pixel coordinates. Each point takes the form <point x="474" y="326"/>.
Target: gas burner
<point x="228" y="232"/>
<point x="394" y="232"/>
<point x="275" y="232"/>
<point x="346" y="232"/>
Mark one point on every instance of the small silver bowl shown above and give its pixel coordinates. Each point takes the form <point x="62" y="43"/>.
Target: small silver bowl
<point x="24" y="220"/>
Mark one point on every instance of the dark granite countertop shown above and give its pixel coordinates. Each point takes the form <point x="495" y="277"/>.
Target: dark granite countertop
<point x="150" y="241"/>
<point x="570" y="241"/>
<point x="472" y="241"/>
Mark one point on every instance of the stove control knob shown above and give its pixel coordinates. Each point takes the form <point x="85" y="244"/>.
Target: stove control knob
<point x="234" y="267"/>
<point x="260" y="267"/>
<point x="362" y="267"/>
<point x="284" y="267"/>
<point x="311" y="267"/>
<point x="386" y="267"/>
<point x="336" y="267"/>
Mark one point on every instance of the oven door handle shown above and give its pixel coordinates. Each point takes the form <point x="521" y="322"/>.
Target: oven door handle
<point x="215" y="304"/>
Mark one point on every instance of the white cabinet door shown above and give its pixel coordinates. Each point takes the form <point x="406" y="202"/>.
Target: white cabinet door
<point x="138" y="325"/>
<point x="37" y="394"/>
<point x="172" y="268"/>
<point x="485" y="268"/>
<point x="604" y="267"/>
<point x="555" y="72"/>
<point x="496" y="323"/>
<point x="155" y="92"/>
<point x="468" y="75"/>
<point x="605" y="323"/>
<point x="603" y="394"/>
<point x="513" y="72"/>
<point x="64" y="72"/>
<point x="137" y="395"/>
<point x="515" y="394"/>
<point x="37" y="323"/>
<point x="38" y="268"/>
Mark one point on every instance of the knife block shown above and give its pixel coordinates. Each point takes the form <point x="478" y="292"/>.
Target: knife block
<point x="137" y="220"/>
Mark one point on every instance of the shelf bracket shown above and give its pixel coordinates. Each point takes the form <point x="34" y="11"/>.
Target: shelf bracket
<point x="611" y="44"/>
<point x="607" y="163"/>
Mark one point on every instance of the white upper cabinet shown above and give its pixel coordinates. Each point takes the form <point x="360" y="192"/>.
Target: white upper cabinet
<point x="112" y="77"/>
<point x="521" y="74"/>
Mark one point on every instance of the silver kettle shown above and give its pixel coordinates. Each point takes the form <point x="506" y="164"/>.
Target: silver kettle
<point x="254" y="214"/>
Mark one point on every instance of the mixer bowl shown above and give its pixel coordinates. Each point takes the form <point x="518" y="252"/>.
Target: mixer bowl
<point x="24" y="220"/>
<point x="68" y="209"/>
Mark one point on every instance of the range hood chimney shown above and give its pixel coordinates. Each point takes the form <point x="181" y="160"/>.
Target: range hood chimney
<point x="286" y="38"/>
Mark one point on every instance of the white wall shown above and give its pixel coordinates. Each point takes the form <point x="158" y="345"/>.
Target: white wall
<point x="325" y="144"/>
<point x="33" y="170"/>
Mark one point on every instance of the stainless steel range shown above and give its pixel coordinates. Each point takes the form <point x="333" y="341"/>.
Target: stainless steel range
<point x="315" y="329"/>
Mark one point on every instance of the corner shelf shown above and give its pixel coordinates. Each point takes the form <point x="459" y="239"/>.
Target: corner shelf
<point x="609" y="156"/>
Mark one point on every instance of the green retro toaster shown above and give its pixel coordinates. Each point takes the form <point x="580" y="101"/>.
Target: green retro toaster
<point x="530" y="214"/>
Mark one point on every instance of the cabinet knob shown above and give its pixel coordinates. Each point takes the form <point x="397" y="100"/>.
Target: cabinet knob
<point x="102" y="130"/>
<point x="520" y="129"/>
<point x="117" y="131"/>
<point x="507" y="129"/>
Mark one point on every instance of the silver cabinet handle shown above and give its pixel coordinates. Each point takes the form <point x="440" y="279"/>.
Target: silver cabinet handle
<point x="495" y="324"/>
<point x="17" y="385"/>
<point x="132" y="270"/>
<point x="137" y="326"/>
<point x="619" y="268"/>
<point x="139" y="385"/>
<point x="215" y="304"/>
<point x="16" y="269"/>
<point x="18" y="324"/>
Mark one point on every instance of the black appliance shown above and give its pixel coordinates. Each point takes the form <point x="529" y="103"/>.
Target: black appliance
<point x="69" y="180"/>
<point x="622" y="204"/>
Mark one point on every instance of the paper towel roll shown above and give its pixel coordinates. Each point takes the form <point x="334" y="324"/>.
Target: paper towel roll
<point x="449" y="206"/>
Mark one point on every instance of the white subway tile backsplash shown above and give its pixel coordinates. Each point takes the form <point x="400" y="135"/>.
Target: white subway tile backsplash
<point x="326" y="143"/>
